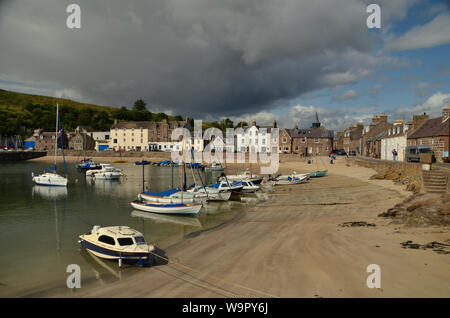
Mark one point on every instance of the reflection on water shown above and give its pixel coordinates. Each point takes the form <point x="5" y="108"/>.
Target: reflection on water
<point x="162" y="218"/>
<point x="49" y="193"/>
<point x="39" y="226"/>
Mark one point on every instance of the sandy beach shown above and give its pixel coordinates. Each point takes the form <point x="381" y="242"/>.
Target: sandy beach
<point x="291" y="245"/>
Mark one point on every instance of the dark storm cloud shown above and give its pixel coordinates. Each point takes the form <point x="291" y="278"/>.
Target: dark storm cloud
<point x="189" y="56"/>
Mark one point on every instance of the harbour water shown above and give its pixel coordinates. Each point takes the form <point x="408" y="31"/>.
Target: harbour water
<point x="39" y="226"/>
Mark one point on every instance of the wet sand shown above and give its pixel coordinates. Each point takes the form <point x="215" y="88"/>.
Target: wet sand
<point x="292" y="246"/>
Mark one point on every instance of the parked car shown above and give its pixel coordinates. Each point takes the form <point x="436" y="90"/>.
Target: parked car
<point x="340" y="152"/>
<point x="352" y="153"/>
<point x="412" y="153"/>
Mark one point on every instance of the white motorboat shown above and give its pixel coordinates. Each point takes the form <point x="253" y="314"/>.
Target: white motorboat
<point x="108" y="173"/>
<point x="118" y="243"/>
<point x="232" y="186"/>
<point x="249" y="187"/>
<point x="90" y="173"/>
<point x="216" y="166"/>
<point x="256" y="179"/>
<point x="211" y="194"/>
<point x="50" y="177"/>
<point x="293" y="175"/>
<point x="167" y="208"/>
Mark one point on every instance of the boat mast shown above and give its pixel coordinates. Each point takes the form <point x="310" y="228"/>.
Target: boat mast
<point x="56" y="134"/>
<point x="182" y="170"/>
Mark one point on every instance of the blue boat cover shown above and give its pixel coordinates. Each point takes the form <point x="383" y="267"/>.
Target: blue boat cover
<point x="216" y="185"/>
<point x="164" y="193"/>
<point x="237" y="183"/>
<point x="175" y="205"/>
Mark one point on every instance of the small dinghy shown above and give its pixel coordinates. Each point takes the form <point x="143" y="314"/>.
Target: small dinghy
<point x="120" y="243"/>
<point x="291" y="180"/>
<point x="317" y="174"/>
<point x="170" y="208"/>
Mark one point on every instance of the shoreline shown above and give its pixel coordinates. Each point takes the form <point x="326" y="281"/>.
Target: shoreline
<point x="293" y="246"/>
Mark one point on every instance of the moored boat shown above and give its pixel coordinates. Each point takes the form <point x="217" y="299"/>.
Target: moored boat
<point x="318" y="173"/>
<point x="167" y="208"/>
<point x="118" y="243"/>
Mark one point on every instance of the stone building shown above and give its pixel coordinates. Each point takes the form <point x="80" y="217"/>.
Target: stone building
<point x="255" y="137"/>
<point x="143" y="135"/>
<point x="351" y="140"/>
<point x="372" y="135"/>
<point x="82" y="141"/>
<point x="285" y="141"/>
<point x="434" y="133"/>
<point x="314" y="140"/>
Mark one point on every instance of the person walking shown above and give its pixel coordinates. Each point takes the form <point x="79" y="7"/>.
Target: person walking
<point x="394" y="155"/>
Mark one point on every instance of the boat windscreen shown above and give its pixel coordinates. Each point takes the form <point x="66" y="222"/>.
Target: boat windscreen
<point x="139" y="240"/>
<point x="123" y="241"/>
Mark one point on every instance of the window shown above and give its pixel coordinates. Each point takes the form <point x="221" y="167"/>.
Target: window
<point x="115" y="141"/>
<point x="316" y="140"/>
<point x="303" y="140"/>
<point x="132" y="139"/>
<point x="124" y="241"/>
<point x="139" y="240"/>
<point x="107" y="239"/>
<point x="286" y="148"/>
<point x="107" y="136"/>
<point x="296" y="147"/>
<point x="284" y="139"/>
<point x="123" y="139"/>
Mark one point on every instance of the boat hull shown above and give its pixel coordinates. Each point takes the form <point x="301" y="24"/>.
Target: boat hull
<point x="139" y="258"/>
<point x="176" y="209"/>
<point x="51" y="180"/>
<point x="318" y="174"/>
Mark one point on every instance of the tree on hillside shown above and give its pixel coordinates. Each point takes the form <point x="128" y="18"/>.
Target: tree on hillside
<point x="140" y="105"/>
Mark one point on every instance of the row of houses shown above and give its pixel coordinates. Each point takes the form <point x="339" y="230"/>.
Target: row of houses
<point x="156" y="136"/>
<point x="380" y="138"/>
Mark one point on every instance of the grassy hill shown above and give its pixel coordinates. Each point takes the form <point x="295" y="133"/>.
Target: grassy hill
<point x="15" y="100"/>
<point x="21" y="113"/>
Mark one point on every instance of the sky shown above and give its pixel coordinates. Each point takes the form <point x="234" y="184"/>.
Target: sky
<point x="247" y="60"/>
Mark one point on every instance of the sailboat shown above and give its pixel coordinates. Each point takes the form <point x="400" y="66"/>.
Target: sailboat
<point x="50" y="177"/>
<point x="158" y="203"/>
<point x="318" y="173"/>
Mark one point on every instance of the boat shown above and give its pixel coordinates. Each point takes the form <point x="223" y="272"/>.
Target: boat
<point x="318" y="173"/>
<point x="249" y="187"/>
<point x="91" y="172"/>
<point x="232" y="186"/>
<point x="291" y="180"/>
<point x="215" y="167"/>
<point x="50" y="177"/>
<point x="212" y="194"/>
<point x="293" y="175"/>
<point x="88" y="164"/>
<point x="167" y="208"/>
<point x="255" y="179"/>
<point x="171" y="196"/>
<point x="120" y="243"/>
<point x="173" y="201"/>
<point x="162" y="218"/>
<point x="107" y="173"/>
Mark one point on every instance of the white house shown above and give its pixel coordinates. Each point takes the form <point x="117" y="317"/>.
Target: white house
<point x="255" y="138"/>
<point x="396" y="138"/>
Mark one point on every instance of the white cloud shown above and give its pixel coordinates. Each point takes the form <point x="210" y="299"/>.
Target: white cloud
<point x="432" y="106"/>
<point x="350" y="94"/>
<point x="434" y="33"/>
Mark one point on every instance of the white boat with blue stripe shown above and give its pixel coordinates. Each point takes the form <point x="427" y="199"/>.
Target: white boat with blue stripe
<point x="120" y="243"/>
<point x="167" y="208"/>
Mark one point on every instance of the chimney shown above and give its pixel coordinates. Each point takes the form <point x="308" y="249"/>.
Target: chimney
<point x="445" y="113"/>
<point x="254" y="123"/>
<point x="383" y="118"/>
<point x="274" y="125"/>
<point x="187" y="119"/>
<point x="115" y="121"/>
<point x="419" y="120"/>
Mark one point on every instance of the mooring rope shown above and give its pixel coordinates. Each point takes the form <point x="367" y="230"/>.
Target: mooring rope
<point x="219" y="279"/>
